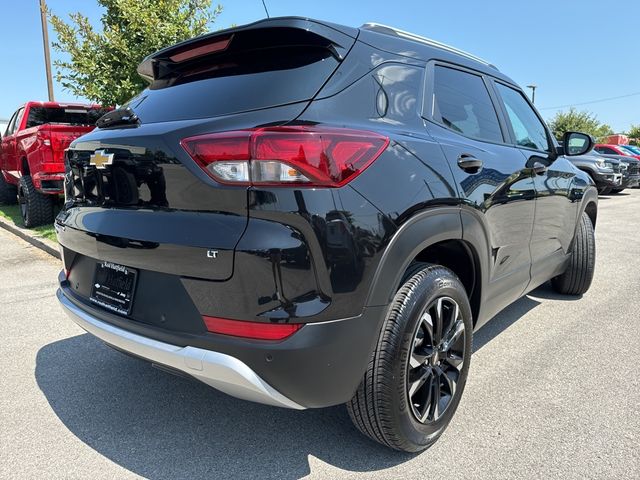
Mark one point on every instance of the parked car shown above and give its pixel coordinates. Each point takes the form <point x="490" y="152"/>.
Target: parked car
<point x="32" y="154"/>
<point x="629" y="167"/>
<point x="614" y="150"/>
<point x="632" y="149"/>
<point x="305" y="214"/>
<point x="605" y="172"/>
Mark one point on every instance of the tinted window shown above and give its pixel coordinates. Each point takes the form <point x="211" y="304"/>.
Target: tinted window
<point x="15" y="122"/>
<point x="12" y="122"/>
<point x="606" y="150"/>
<point x="68" y="116"/>
<point x="462" y="103"/>
<point x="19" y="119"/>
<point x="238" y="83"/>
<point x="527" y="127"/>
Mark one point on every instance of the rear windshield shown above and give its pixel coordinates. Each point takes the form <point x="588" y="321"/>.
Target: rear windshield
<point x="63" y="116"/>
<point x="236" y="83"/>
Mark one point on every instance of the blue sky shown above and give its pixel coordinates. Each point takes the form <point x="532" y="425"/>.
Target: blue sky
<point x="576" y="51"/>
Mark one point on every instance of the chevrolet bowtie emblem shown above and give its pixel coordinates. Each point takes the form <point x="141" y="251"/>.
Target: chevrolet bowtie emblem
<point x="100" y="159"/>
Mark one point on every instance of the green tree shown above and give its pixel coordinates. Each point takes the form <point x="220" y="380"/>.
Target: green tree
<point x="634" y="134"/>
<point x="100" y="64"/>
<point x="576" y="121"/>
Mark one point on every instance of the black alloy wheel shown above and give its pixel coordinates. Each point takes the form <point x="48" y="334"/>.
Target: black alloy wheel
<point x="436" y="360"/>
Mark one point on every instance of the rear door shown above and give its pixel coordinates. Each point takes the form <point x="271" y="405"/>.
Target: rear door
<point x="9" y="145"/>
<point x="556" y="209"/>
<point x="6" y="141"/>
<point x="500" y="187"/>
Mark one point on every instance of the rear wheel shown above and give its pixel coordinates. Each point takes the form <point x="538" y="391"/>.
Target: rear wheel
<point x="576" y="280"/>
<point x="417" y="373"/>
<point x="35" y="207"/>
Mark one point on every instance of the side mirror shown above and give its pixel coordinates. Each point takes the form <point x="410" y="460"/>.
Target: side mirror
<point x="576" y="143"/>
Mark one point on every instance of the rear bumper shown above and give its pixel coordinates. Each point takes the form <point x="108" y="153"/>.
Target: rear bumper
<point x="319" y="366"/>
<point x="50" y="183"/>
<point x="223" y="372"/>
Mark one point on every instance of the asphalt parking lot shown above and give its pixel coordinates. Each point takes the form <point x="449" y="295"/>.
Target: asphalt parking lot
<point x="554" y="392"/>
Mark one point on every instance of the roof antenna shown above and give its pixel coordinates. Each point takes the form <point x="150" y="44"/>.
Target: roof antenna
<point x="265" y="8"/>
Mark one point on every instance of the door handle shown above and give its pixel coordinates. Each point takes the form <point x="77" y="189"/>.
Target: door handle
<point x="539" y="168"/>
<point x="469" y="163"/>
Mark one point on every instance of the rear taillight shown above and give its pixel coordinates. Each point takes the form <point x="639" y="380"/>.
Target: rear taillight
<point x="280" y="156"/>
<point x="255" y="330"/>
<point x="43" y="136"/>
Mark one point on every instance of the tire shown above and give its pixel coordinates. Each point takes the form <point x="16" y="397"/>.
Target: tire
<point x="382" y="407"/>
<point x="617" y="190"/>
<point x="576" y="280"/>
<point x="8" y="192"/>
<point x="604" y="190"/>
<point x="35" y="207"/>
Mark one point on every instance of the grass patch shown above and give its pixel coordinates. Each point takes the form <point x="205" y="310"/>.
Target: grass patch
<point x="12" y="212"/>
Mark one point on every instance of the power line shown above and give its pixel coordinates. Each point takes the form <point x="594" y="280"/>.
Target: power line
<point x="592" y="101"/>
<point x="265" y="8"/>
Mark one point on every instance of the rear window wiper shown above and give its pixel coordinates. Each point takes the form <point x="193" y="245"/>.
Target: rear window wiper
<point x="121" y="116"/>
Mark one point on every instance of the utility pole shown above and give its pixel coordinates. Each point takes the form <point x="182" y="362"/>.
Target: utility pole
<point x="533" y="92"/>
<point x="45" y="41"/>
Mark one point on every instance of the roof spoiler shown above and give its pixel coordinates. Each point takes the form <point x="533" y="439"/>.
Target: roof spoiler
<point x="337" y="39"/>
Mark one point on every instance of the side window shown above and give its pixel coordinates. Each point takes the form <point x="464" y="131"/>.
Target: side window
<point x="18" y="120"/>
<point x="527" y="127"/>
<point x="11" y="124"/>
<point x="605" y="150"/>
<point x="462" y="104"/>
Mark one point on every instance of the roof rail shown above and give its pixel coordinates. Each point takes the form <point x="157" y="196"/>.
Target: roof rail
<point x="378" y="27"/>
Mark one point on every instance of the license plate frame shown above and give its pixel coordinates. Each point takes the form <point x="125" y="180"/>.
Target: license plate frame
<point x="114" y="287"/>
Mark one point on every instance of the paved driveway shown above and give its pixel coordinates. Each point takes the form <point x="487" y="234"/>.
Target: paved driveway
<point x="554" y="392"/>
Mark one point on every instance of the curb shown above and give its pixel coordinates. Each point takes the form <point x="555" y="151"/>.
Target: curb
<point x="28" y="236"/>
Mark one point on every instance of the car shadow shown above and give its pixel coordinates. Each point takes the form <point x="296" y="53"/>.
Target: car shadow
<point x="161" y="426"/>
<point x="514" y="312"/>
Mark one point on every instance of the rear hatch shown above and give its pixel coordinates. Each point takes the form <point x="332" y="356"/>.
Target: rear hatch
<point x="133" y="194"/>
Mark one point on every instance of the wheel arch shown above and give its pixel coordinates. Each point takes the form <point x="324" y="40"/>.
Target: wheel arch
<point x="25" y="169"/>
<point x="590" y="207"/>
<point x="432" y="236"/>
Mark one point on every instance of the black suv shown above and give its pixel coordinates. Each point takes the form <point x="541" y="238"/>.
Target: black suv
<point x="305" y="214"/>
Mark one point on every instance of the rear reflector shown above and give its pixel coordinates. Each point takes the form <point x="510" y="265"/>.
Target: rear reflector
<point x="280" y="156"/>
<point x="255" y="330"/>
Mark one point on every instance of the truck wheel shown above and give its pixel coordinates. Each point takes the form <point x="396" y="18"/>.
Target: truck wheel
<point x="8" y="192"/>
<point x="604" y="190"/>
<point x="35" y="207"/>
<point x="576" y="280"/>
<point x="616" y="190"/>
<point x="417" y="373"/>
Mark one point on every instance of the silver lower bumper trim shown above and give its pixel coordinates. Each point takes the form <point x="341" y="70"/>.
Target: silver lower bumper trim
<point x="223" y="372"/>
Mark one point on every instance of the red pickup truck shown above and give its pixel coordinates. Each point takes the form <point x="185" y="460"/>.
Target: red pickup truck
<point x="32" y="154"/>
